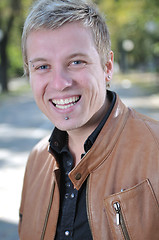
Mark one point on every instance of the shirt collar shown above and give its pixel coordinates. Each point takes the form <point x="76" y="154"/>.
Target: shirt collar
<point x="59" y="139"/>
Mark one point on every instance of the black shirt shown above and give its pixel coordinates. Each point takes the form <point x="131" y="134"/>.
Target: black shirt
<point x="73" y="221"/>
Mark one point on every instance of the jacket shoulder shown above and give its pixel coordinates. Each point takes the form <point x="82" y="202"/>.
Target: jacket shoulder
<point x="150" y="124"/>
<point x="39" y="154"/>
<point x="41" y="146"/>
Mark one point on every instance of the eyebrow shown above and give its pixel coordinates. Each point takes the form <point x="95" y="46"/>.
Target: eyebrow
<point x="38" y="60"/>
<point x="77" y="55"/>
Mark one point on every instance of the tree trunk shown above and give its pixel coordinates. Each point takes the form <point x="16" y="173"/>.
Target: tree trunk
<point x="4" y="56"/>
<point x="3" y="65"/>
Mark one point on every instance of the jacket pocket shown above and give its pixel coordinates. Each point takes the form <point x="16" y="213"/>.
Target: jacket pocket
<point x="134" y="213"/>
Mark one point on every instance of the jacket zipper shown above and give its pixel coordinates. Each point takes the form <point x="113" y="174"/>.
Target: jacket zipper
<point x="120" y="220"/>
<point x="48" y="212"/>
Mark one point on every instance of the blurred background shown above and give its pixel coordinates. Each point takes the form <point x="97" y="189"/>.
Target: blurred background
<point x="134" y="30"/>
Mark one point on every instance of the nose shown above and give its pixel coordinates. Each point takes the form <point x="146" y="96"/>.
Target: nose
<point x="60" y="80"/>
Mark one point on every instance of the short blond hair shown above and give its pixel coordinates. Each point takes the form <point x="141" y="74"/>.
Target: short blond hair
<point x="52" y="14"/>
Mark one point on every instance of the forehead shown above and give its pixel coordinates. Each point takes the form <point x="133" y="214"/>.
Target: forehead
<point x="69" y="37"/>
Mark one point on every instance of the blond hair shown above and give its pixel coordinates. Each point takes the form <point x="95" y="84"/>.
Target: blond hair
<point x="52" y="14"/>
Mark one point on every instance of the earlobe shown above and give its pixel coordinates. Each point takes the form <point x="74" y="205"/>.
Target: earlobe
<point x="109" y="69"/>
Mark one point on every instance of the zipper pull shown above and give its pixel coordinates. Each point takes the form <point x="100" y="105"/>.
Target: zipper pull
<point x="117" y="209"/>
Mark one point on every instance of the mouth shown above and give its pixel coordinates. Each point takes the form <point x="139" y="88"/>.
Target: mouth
<point x="65" y="103"/>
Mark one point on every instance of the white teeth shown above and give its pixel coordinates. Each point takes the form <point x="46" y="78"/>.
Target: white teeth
<point x="66" y="101"/>
<point x="69" y="101"/>
<point x="64" y="106"/>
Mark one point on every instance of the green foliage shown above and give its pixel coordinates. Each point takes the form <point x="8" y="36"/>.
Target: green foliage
<point x="137" y="21"/>
<point x="13" y="13"/>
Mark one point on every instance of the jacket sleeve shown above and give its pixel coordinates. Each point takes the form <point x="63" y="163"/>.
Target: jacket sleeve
<point x="24" y="189"/>
<point x="35" y="162"/>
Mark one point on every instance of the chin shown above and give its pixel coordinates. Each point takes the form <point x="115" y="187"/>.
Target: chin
<point x="67" y="125"/>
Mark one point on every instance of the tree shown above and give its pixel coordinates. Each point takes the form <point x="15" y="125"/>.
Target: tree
<point x="12" y="14"/>
<point x="8" y="12"/>
<point x="137" y="21"/>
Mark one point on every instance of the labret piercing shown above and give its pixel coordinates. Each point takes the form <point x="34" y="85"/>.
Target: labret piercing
<point x="66" y="118"/>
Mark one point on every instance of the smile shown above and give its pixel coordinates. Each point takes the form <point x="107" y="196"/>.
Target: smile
<point x="65" y="103"/>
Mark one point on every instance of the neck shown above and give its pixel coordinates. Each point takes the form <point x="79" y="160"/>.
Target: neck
<point x="76" y="142"/>
<point x="77" y="137"/>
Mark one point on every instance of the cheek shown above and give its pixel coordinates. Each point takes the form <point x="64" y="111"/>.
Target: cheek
<point x="31" y="83"/>
<point x="37" y="87"/>
<point x="101" y="89"/>
<point x="100" y="85"/>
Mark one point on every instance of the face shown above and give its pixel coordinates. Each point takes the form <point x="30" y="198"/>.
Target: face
<point x="66" y="76"/>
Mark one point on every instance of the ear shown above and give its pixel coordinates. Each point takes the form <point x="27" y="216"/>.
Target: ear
<point x="109" y="68"/>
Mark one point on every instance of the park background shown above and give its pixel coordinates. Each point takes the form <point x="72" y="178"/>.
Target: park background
<point x="134" y="30"/>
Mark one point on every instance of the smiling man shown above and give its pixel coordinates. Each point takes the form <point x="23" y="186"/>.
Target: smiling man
<point x="97" y="176"/>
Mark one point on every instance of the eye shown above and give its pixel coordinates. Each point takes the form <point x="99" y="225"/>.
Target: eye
<point x="42" y="67"/>
<point x="77" y="64"/>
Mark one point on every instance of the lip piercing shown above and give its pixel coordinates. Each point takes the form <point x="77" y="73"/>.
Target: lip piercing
<point x="66" y="118"/>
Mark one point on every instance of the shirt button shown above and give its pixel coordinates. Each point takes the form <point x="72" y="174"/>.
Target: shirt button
<point x="67" y="233"/>
<point x="78" y="176"/>
<point x="68" y="163"/>
<point x="66" y="195"/>
<point x="72" y="195"/>
<point x="56" y="144"/>
<point x="68" y="184"/>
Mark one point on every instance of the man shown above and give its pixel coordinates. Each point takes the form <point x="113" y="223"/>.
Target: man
<point x="97" y="177"/>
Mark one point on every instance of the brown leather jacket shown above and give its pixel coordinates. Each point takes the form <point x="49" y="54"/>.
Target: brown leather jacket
<point x="122" y="169"/>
